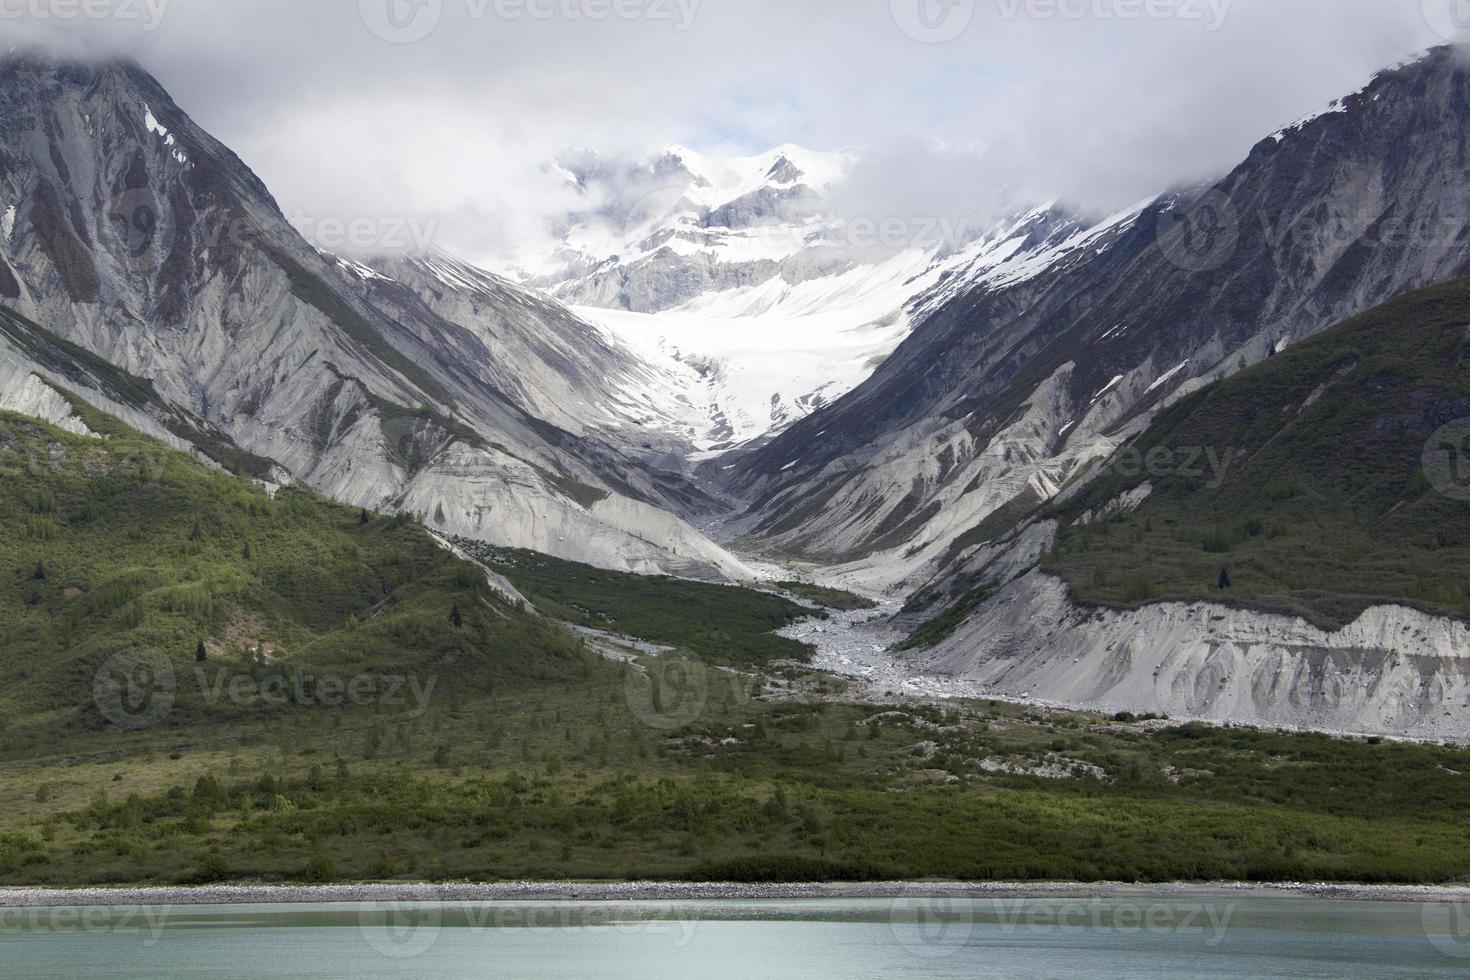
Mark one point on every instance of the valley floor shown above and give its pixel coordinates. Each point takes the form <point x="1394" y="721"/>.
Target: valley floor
<point x="666" y="771"/>
<point x="709" y="750"/>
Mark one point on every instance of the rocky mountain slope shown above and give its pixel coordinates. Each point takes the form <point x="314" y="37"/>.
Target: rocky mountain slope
<point x="1036" y="363"/>
<point x="130" y="232"/>
<point x="1314" y="574"/>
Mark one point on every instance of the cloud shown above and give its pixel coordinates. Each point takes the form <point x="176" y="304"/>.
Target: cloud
<point x="446" y="110"/>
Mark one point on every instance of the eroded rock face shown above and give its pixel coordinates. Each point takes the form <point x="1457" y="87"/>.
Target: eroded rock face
<point x="134" y="234"/>
<point x="1040" y="357"/>
<point x="1394" y="671"/>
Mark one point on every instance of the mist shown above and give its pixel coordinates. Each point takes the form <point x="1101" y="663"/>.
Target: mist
<point x="446" y="112"/>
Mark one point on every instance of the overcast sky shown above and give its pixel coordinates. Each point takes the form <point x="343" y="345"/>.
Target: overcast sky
<point x="446" y="109"/>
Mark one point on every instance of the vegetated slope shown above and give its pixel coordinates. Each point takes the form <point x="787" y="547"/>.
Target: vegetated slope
<point x="722" y="624"/>
<point x="121" y="546"/>
<point x="114" y="544"/>
<point x="570" y="782"/>
<point x="1021" y="376"/>
<point x="1304" y="482"/>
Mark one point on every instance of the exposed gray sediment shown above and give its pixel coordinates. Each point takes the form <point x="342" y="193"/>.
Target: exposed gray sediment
<point x="688" y="892"/>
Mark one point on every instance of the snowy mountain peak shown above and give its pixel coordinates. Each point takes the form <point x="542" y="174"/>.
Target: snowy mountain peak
<point x="715" y="180"/>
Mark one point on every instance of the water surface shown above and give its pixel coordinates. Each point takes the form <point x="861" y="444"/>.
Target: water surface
<point x="711" y="940"/>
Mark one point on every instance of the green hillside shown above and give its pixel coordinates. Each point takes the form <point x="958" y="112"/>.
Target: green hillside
<point x="1303" y="479"/>
<point x="124" y="548"/>
<point x="511" y="753"/>
<point x="722" y="624"/>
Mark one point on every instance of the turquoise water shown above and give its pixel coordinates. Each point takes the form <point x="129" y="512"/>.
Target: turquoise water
<point x="917" y="937"/>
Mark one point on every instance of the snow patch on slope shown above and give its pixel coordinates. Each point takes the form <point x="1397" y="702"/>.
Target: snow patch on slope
<point x="747" y="362"/>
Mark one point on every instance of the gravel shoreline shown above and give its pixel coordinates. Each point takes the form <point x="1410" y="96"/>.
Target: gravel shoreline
<point x="604" y="892"/>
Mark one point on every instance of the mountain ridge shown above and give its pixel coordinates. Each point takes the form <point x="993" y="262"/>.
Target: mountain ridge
<point x="1314" y="579"/>
<point x="171" y="260"/>
<point x="1013" y="386"/>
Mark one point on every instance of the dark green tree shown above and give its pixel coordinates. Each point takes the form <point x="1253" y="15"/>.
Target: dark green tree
<point x="201" y="653"/>
<point x="1224" y="579"/>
